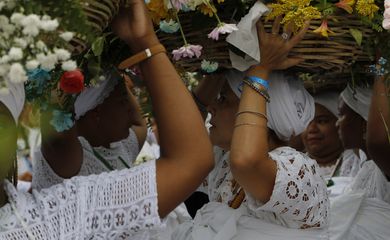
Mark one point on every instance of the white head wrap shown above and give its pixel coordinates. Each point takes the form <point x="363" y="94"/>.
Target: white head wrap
<point x="358" y="99"/>
<point x="14" y="100"/>
<point x="291" y="107"/>
<point x="93" y="96"/>
<point x="330" y="100"/>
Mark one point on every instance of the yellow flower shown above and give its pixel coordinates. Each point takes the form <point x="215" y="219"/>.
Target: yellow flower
<point x="207" y="9"/>
<point x="346" y="5"/>
<point x="367" y="8"/>
<point x="157" y="10"/>
<point x="296" y="12"/>
<point x="324" y="29"/>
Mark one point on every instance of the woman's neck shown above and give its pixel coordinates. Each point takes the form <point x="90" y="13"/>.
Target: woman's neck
<point x="329" y="159"/>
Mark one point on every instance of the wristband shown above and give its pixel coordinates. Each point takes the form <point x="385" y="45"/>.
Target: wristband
<point x="141" y="56"/>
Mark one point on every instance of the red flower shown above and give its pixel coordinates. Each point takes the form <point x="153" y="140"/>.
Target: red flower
<point x="72" y="82"/>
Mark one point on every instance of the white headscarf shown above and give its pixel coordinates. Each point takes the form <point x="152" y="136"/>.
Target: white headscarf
<point x="93" y="96"/>
<point x="358" y="99"/>
<point x="14" y="100"/>
<point x="330" y="100"/>
<point x="291" y="107"/>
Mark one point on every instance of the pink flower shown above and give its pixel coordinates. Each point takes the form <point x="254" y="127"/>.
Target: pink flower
<point x="187" y="50"/>
<point x="222" y="28"/>
<point x="179" y="4"/>
<point x="386" y="15"/>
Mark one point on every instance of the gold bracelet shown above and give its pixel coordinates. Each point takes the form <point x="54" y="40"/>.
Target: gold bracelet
<point x="141" y="56"/>
<point x="252" y="112"/>
<point x="247" y="124"/>
<point x="262" y="92"/>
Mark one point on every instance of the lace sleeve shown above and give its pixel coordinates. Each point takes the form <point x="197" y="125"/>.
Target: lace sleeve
<point x="299" y="198"/>
<point x="113" y="205"/>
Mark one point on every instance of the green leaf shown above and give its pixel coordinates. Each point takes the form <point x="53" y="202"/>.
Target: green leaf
<point x="97" y="46"/>
<point x="357" y="35"/>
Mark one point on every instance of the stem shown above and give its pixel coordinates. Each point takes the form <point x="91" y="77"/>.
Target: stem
<point x="207" y="2"/>
<point x="178" y="21"/>
<point x="386" y="127"/>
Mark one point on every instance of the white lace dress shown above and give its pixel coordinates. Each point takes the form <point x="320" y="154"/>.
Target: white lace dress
<point x="299" y="201"/>
<point x="120" y="155"/>
<point x="114" y="205"/>
<point x="363" y="210"/>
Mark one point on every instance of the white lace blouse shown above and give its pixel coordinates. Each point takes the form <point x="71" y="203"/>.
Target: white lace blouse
<point x="113" y="205"/>
<point x="299" y="198"/>
<point x="120" y="155"/>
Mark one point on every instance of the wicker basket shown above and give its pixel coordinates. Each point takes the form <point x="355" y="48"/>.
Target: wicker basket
<point x="334" y="55"/>
<point x="99" y="15"/>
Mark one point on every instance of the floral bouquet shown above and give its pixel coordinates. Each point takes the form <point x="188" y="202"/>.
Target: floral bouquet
<point x="44" y="44"/>
<point x="342" y="32"/>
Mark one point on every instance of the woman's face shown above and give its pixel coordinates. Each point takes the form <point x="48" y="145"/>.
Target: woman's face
<point x="8" y="137"/>
<point x="351" y="127"/>
<point x="223" y="111"/>
<point x="115" y="114"/>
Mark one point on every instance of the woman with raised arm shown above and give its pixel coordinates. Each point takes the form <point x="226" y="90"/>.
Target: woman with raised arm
<point x="282" y="193"/>
<point x="122" y="204"/>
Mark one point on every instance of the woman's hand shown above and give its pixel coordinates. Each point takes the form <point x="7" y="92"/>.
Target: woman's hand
<point x="274" y="48"/>
<point x="133" y="25"/>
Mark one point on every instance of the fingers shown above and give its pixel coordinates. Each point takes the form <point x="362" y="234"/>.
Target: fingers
<point x="260" y="29"/>
<point x="298" y="37"/>
<point x="290" y="62"/>
<point x="276" y="25"/>
<point x="288" y="29"/>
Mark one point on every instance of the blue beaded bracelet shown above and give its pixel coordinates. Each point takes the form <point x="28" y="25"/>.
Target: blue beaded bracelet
<point x="260" y="81"/>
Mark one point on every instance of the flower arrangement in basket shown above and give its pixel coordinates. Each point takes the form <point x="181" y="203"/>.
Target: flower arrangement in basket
<point x="342" y="32"/>
<point x="54" y="48"/>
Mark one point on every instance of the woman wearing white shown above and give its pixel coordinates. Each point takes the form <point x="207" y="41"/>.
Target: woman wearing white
<point x="285" y="195"/>
<point x="363" y="210"/>
<point x="122" y="204"/>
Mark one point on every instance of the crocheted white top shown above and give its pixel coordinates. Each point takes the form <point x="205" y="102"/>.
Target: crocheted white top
<point x="113" y="205"/>
<point x="126" y="150"/>
<point x="299" y="198"/>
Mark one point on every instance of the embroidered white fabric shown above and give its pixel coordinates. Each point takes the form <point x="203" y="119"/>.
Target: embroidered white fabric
<point x="113" y="205"/>
<point x="44" y="176"/>
<point x="299" y="198"/>
<point x="363" y="210"/>
<point x="350" y="165"/>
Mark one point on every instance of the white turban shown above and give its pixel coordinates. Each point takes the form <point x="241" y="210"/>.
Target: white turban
<point x="93" y="96"/>
<point x="14" y="100"/>
<point x="291" y="107"/>
<point x="329" y="100"/>
<point x="358" y="99"/>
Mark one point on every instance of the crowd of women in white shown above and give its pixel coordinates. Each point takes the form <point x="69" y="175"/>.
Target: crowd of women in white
<point x="86" y="185"/>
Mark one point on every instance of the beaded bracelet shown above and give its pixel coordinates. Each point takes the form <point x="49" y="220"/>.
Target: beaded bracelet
<point x="263" y="92"/>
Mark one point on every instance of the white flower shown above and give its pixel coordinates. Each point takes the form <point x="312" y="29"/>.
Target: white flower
<point x="48" y="62"/>
<point x="2" y="4"/>
<point x="15" y="53"/>
<point x="5" y="59"/>
<point x="46" y="17"/>
<point x="20" y="42"/>
<point x="17" y="74"/>
<point x="69" y="65"/>
<point x="67" y="36"/>
<point x="41" y="45"/>
<point x="62" y="54"/>
<point x="4" y="68"/>
<point x="4" y="91"/>
<point x="11" y="4"/>
<point x="102" y="78"/>
<point x="192" y="4"/>
<point x="17" y="18"/>
<point x="49" y="25"/>
<point x="32" y="64"/>
<point x="3" y="20"/>
<point x="31" y="25"/>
